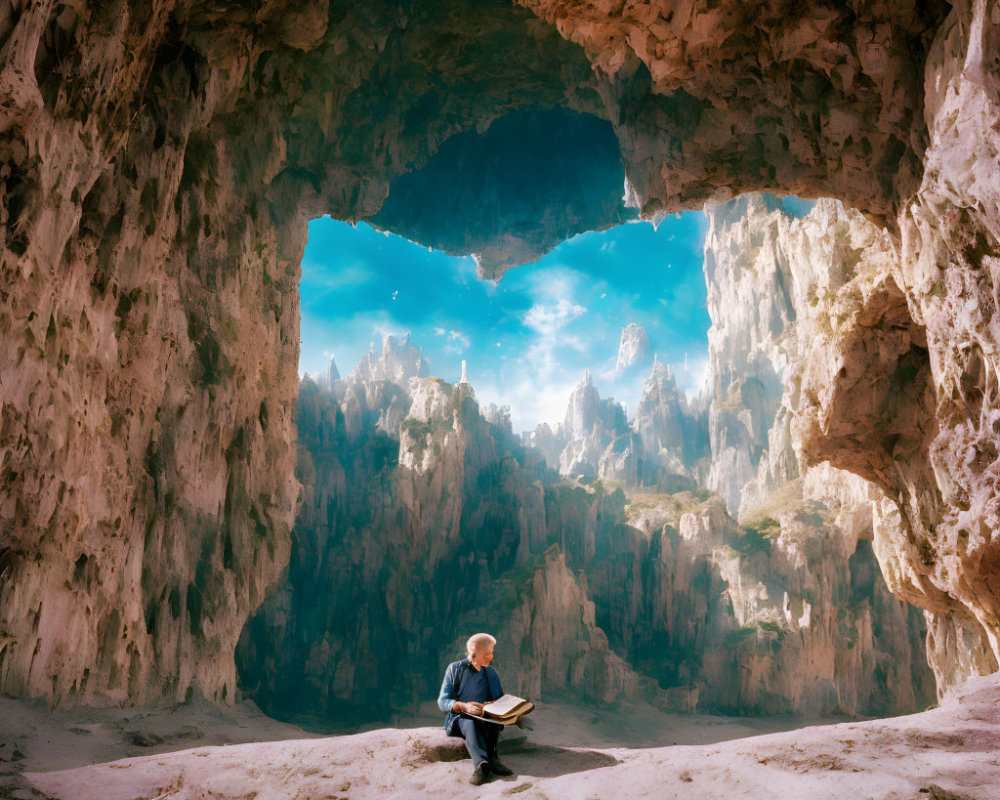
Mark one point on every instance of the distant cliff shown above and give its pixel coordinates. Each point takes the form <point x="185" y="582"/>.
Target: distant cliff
<point x="663" y="447"/>
<point x="422" y="521"/>
<point x="798" y="393"/>
<point x="405" y="526"/>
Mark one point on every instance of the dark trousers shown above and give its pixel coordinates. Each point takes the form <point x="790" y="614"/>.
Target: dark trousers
<point x="480" y="739"/>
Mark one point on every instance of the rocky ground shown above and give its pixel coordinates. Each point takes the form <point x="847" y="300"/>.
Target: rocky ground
<point x="948" y="753"/>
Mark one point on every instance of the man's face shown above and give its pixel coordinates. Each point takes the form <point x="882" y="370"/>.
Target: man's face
<point x="482" y="655"/>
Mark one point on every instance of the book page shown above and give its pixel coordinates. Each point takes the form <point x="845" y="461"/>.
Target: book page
<point x="503" y="706"/>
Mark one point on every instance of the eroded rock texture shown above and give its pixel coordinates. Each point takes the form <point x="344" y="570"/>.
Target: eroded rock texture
<point x="160" y="162"/>
<point x="818" y="99"/>
<point x="939" y="531"/>
<point x="147" y="364"/>
<point x="822" y="311"/>
<point x="771" y="277"/>
<point x="531" y="180"/>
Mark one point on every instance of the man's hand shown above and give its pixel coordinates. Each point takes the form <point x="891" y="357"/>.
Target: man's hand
<point x="476" y="709"/>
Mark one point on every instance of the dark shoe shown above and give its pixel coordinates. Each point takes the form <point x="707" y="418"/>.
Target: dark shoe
<point x="499" y="769"/>
<point x="479" y="774"/>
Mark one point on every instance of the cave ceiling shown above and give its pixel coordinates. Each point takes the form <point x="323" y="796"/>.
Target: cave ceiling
<point x="706" y="102"/>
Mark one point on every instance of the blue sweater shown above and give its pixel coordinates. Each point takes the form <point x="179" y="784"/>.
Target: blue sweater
<point x="459" y="674"/>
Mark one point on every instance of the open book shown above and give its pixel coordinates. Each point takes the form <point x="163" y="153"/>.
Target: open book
<point x="506" y="711"/>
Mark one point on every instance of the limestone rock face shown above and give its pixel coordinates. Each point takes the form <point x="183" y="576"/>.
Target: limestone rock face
<point x="147" y="365"/>
<point x="664" y="445"/>
<point x="938" y="535"/>
<point x="332" y="373"/>
<point x="769" y="276"/>
<point x="397" y="363"/>
<point x="674" y="434"/>
<point x="750" y="307"/>
<point x="550" y="640"/>
<point x="473" y="195"/>
<point x="591" y="425"/>
<point x="681" y="73"/>
<point x="843" y="375"/>
<point x="787" y="613"/>
<point x="431" y="432"/>
<point x="634" y="350"/>
<point x="545" y="441"/>
<point x="899" y="390"/>
<point x="402" y="546"/>
<point x="499" y="417"/>
<point x="801" y="281"/>
<point x="366" y="403"/>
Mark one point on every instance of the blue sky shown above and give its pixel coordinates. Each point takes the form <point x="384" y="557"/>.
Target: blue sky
<point x="527" y="338"/>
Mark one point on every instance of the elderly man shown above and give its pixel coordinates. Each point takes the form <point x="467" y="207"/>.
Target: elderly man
<point x="467" y="685"/>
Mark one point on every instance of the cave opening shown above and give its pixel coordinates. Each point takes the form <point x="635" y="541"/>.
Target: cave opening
<point x="406" y="313"/>
<point x="457" y="474"/>
<point x="544" y="187"/>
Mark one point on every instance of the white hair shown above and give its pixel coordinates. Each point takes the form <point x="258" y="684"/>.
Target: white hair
<point x="477" y="640"/>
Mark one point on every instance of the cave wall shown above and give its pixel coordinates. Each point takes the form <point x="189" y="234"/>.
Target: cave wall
<point x="821" y="363"/>
<point x="908" y="398"/>
<point x="148" y="366"/>
<point x="779" y="285"/>
<point x="160" y="162"/>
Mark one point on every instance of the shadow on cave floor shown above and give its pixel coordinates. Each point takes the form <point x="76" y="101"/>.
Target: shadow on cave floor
<point x="546" y="761"/>
<point x="527" y="759"/>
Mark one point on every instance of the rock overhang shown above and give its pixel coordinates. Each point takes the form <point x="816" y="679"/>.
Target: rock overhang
<point x="534" y="178"/>
<point x="828" y="104"/>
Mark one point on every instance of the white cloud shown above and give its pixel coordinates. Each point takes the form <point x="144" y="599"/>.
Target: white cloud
<point x="548" y="318"/>
<point x="531" y="401"/>
<point x="537" y="384"/>
<point x="539" y="358"/>
<point x="453" y="336"/>
<point x="319" y="275"/>
<point x="574" y="342"/>
<point x="382" y="325"/>
<point x="693" y="375"/>
<point x="457" y="343"/>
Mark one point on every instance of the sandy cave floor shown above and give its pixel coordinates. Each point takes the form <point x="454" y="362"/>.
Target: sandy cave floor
<point x="204" y="752"/>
